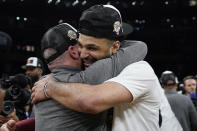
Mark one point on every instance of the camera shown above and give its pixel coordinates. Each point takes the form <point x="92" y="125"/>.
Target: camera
<point x="7" y="108"/>
<point x="5" y="83"/>
<point x="16" y="95"/>
<point x="14" y="85"/>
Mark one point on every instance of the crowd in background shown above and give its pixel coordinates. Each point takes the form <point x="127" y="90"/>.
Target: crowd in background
<point x="17" y="89"/>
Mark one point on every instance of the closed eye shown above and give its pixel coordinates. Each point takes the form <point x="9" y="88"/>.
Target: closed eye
<point x="92" y="48"/>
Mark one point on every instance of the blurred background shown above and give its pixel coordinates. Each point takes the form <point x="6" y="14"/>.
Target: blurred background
<point x="169" y="27"/>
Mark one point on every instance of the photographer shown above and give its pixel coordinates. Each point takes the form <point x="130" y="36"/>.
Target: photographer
<point x="181" y="105"/>
<point x="16" y="95"/>
<point x="4" y="119"/>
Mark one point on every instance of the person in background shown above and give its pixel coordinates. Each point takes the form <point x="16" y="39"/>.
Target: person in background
<point x="3" y="118"/>
<point x="34" y="69"/>
<point x="190" y="84"/>
<point x="19" y="95"/>
<point x="181" y="105"/>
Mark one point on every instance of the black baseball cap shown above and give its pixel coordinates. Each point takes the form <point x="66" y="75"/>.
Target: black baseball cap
<point x="33" y="62"/>
<point x="168" y="78"/>
<point x="103" y="21"/>
<point x="59" y="38"/>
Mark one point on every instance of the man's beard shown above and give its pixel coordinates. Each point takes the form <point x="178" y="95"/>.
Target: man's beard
<point x="89" y="61"/>
<point x="34" y="79"/>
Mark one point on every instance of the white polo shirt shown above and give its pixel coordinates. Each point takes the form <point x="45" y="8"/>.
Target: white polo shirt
<point x="142" y="114"/>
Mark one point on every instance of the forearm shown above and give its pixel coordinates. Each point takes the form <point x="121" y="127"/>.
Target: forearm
<point x="67" y="94"/>
<point x="88" y="98"/>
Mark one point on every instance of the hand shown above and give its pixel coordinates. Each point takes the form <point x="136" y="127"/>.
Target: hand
<point x="37" y="91"/>
<point x="9" y="126"/>
<point x="4" y="119"/>
<point x="13" y="116"/>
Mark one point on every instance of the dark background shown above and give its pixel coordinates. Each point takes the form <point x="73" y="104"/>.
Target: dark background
<point x="169" y="27"/>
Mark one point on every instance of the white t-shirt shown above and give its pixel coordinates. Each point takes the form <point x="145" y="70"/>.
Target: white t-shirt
<point x="142" y="114"/>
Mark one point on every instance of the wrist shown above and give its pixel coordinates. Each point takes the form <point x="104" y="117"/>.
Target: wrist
<point x="45" y="90"/>
<point x="48" y="89"/>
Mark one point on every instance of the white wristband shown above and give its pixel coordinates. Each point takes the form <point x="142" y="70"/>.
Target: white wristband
<point x="44" y="89"/>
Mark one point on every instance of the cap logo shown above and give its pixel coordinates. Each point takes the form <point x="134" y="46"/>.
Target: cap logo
<point x="72" y="35"/>
<point x="29" y="61"/>
<point x="117" y="27"/>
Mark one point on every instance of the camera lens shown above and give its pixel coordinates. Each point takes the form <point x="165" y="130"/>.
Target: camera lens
<point x="7" y="108"/>
<point x="15" y="91"/>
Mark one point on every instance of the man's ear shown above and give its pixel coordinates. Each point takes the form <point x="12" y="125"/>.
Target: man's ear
<point x="73" y="51"/>
<point x="116" y="46"/>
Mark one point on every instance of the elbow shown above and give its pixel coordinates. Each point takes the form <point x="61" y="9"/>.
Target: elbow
<point x="88" y="106"/>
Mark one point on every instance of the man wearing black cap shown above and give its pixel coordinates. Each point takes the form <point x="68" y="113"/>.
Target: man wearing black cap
<point x="135" y="93"/>
<point x="181" y="105"/>
<point x="34" y="69"/>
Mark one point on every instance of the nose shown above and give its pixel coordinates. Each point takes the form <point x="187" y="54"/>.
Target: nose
<point x="28" y="72"/>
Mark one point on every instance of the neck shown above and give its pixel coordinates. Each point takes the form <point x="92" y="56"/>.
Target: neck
<point x="67" y="61"/>
<point x="187" y="93"/>
<point x="53" y="66"/>
<point x="170" y="87"/>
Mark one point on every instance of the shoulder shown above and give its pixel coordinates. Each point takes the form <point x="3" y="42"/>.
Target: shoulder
<point x="140" y="67"/>
<point x="140" y="64"/>
<point x="184" y="99"/>
<point x="138" y="72"/>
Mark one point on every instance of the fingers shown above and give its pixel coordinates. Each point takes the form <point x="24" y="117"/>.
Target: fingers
<point x="9" y="126"/>
<point x="33" y="97"/>
<point x="38" y="83"/>
<point x="33" y="89"/>
<point x="4" y="128"/>
<point x="33" y="94"/>
<point x="11" y="123"/>
<point x="37" y="91"/>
